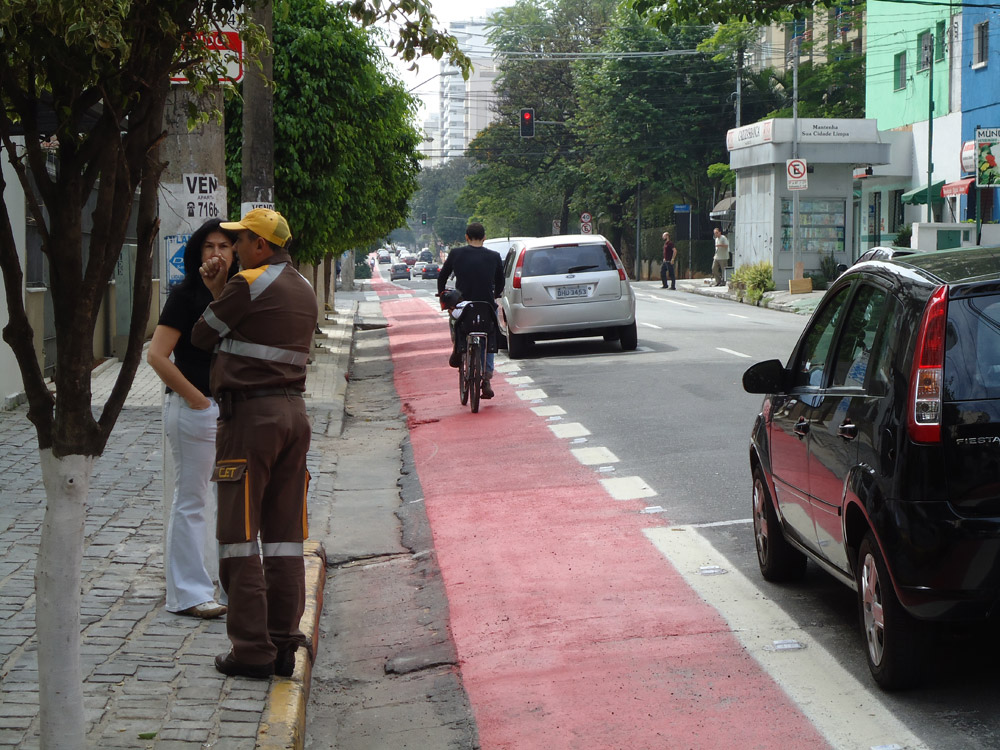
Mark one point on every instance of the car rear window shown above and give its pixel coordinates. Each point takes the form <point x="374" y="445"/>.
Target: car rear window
<point x="549" y="261"/>
<point x="972" y="359"/>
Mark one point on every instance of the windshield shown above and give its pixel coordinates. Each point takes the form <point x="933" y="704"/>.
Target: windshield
<point x="972" y="359"/>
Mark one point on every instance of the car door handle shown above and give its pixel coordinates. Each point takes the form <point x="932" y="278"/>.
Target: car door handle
<point x="801" y="427"/>
<point x="847" y="431"/>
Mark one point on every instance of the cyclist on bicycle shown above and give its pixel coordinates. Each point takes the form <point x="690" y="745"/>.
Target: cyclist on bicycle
<point x="479" y="278"/>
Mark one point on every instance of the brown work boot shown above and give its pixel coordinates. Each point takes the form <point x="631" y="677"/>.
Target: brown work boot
<point x="227" y="664"/>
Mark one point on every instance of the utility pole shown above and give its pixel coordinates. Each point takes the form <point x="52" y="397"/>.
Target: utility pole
<point x="257" y="181"/>
<point x="795" y="155"/>
<point x="928" y="53"/>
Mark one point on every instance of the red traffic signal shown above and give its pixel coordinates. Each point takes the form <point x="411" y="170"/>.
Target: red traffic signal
<point x="527" y="122"/>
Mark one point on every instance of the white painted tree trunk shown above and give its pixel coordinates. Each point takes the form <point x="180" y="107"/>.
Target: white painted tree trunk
<point x="58" y="598"/>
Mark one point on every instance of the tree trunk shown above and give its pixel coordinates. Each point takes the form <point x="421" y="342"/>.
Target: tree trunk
<point x="57" y="600"/>
<point x="328" y="284"/>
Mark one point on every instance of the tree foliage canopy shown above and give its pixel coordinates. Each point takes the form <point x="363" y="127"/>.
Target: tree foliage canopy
<point x="345" y="150"/>
<point x="666" y="13"/>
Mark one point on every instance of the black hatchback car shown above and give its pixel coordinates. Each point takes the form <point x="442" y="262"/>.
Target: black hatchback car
<point x="876" y="453"/>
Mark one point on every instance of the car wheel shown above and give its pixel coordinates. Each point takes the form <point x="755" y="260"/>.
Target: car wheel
<point x="629" y="337"/>
<point x="517" y="344"/>
<point x="778" y="560"/>
<point x="893" y="638"/>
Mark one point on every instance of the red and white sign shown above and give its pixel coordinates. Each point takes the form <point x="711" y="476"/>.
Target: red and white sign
<point x="585" y="217"/>
<point x="229" y="46"/>
<point x="969" y="157"/>
<point x="586" y="227"/>
<point x="797" y="173"/>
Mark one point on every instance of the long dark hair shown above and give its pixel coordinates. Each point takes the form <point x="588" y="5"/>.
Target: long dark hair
<point x="192" y="253"/>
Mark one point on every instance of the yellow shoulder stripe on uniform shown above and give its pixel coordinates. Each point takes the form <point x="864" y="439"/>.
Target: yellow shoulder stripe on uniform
<point x="252" y="274"/>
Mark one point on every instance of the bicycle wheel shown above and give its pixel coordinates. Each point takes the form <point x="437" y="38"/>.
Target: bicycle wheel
<point x="475" y="350"/>
<point x="463" y="378"/>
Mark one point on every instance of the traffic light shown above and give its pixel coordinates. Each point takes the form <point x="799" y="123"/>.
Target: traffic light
<point x="527" y="122"/>
<point x="423" y="218"/>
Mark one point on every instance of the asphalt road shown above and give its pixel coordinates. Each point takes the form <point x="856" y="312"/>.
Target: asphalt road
<point x="675" y="414"/>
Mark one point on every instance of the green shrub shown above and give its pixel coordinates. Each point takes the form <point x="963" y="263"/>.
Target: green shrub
<point x="754" y="279"/>
<point x="904" y="235"/>
<point x="828" y="268"/>
<point x="819" y="279"/>
<point x="362" y="270"/>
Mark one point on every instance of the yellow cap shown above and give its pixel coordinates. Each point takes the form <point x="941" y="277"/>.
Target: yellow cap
<point x="264" y="223"/>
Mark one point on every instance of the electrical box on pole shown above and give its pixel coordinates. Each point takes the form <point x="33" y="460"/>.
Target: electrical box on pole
<point x="527" y="122"/>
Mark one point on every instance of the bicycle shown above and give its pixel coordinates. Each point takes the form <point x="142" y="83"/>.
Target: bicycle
<point x="476" y="321"/>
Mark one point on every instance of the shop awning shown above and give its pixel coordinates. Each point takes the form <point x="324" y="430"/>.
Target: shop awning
<point x="918" y="196"/>
<point x="723" y="207"/>
<point x="958" y="187"/>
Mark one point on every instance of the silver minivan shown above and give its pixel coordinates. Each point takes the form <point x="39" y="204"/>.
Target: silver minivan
<point x="565" y="286"/>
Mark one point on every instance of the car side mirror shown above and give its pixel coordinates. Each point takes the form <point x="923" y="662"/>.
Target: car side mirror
<point x="766" y="377"/>
<point x="841" y="267"/>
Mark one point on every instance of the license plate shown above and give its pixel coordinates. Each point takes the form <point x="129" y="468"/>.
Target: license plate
<point x="573" y="290"/>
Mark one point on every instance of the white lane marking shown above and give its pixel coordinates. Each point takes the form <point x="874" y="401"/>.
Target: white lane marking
<point x="720" y="523"/>
<point x="507" y="367"/>
<point x="404" y="296"/>
<point x="522" y="380"/>
<point x="734" y="315"/>
<point x="822" y="689"/>
<point x="530" y="394"/>
<point x="629" y="488"/>
<point x="594" y="456"/>
<point x="568" y="430"/>
<point x="735" y="354"/>
<point x="548" y="411"/>
<point x="650" y="325"/>
<point x="682" y="304"/>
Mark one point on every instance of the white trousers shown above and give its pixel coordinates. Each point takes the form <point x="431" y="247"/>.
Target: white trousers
<point x="191" y="545"/>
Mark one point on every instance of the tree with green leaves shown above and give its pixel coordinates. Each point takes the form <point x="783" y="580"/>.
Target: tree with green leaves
<point x="346" y="151"/>
<point x="82" y="91"/>
<point x="664" y="15"/>
<point x="438" y="197"/>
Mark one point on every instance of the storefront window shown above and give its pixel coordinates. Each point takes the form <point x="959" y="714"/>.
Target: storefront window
<point x="821" y="226"/>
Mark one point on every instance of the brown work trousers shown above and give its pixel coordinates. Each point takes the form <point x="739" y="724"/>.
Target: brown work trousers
<point x="262" y="482"/>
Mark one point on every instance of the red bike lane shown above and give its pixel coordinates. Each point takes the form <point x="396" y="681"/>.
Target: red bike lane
<point x="572" y="630"/>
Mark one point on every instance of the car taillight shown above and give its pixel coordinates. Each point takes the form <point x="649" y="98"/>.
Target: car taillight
<point x="516" y="281"/>
<point x="927" y="378"/>
<point x="618" y="263"/>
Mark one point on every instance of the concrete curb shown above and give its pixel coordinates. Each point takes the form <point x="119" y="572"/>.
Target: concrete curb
<point x="339" y="339"/>
<point x="283" y="726"/>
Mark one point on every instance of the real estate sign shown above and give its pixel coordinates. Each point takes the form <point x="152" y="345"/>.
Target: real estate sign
<point x="987" y="157"/>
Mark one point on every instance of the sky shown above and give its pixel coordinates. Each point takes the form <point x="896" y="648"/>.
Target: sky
<point x="446" y="11"/>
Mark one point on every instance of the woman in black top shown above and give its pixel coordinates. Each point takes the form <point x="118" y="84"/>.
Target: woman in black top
<point x="189" y="421"/>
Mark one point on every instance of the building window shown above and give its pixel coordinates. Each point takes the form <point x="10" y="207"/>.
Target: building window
<point x="939" y="41"/>
<point x="980" y="44"/>
<point x="923" y="50"/>
<point x="899" y="71"/>
<point x="895" y="211"/>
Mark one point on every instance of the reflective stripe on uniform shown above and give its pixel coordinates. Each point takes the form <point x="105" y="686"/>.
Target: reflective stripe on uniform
<point x="216" y="324"/>
<point x="261" y="351"/>
<point x="283" y="549"/>
<point x="240" y="549"/>
<point x="263" y="280"/>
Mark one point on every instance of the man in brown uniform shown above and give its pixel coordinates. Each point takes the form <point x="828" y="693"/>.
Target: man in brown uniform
<point x="261" y="327"/>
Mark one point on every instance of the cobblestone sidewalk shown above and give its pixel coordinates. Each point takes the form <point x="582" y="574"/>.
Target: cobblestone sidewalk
<point x="149" y="679"/>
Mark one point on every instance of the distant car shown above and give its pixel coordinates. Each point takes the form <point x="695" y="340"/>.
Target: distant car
<point x="409" y="258"/>
<point x="565" y="286"/>
<point x="426" y="255"/>
<point x="884" y="252"/>
<point x="418" y="268"/>
<point x="383" y="256"/>
<point x="399" y="271"/>
<point x="876" y="452"/>
<point x="431" y="271"/>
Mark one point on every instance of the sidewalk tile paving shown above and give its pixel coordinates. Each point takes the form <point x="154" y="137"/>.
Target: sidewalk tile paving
<point x="146" y="671"/>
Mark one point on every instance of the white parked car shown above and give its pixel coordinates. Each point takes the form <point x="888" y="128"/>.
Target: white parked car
<point x="565" y="286"/>
<point x="418" y="268"/>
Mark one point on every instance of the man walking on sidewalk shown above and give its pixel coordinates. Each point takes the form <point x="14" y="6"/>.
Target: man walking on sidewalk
<point x="721" y="258"/>
<point x="261" y="327"/>
<point x="669" y="257"/>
